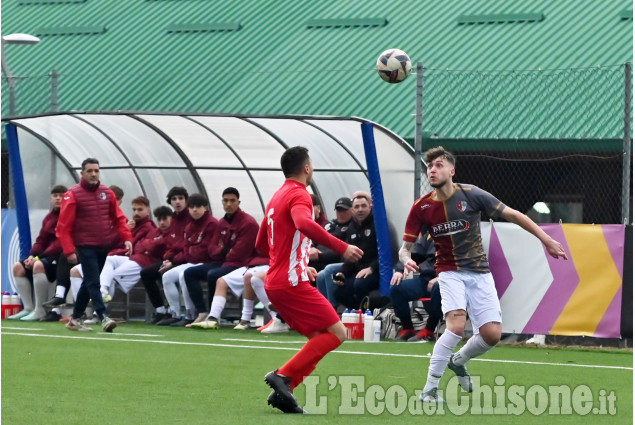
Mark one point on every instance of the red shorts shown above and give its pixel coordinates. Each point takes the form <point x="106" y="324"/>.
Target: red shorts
<point x="304" y="308"/>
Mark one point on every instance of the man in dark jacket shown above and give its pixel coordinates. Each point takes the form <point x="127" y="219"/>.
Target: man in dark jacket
<point x="33" y="274"/>
<point x="355" y="280"/>
<point x="89" y="212"/>
<point x="321" y="256"/>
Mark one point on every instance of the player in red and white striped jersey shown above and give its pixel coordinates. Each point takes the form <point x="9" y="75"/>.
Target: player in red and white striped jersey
<point x="285" y="235"/>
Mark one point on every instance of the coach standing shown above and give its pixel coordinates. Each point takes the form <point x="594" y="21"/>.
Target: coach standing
<point x="89" y="212"/>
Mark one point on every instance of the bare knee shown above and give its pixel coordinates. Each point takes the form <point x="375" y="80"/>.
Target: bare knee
<point x="221" y="287"/>
<point x="339" y="330"/>
<point x="491" y="333"/>
<point x="19" y="270"/>
<point x="75" y="272"/>
<point x="38" y="267"/>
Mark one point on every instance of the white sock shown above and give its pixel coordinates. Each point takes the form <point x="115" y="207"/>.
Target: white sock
<point x="248" y="310"/>
<point x="26" y="292"/>
<point x="57" y="310"/>
<point x="218" y="304"/>
<point x="440" y="358"/>
<point x="161" y="310"/>
<point x="60" y="291"/>
<point x="41" y="290"/>
<point x="258" y="286"/>
<point x="76" y="283"/>
<point x="173" y="296"/>
<point x="474" y="347"/>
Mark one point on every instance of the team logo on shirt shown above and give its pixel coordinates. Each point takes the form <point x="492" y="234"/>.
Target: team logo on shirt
<point x="450" y="227"/>
<point x="367" y="232"/>
<point x="461" y="205"/>
<point x="102" y="195"/>
<point x="424" y="206"/>
<point x="233" y="236"/>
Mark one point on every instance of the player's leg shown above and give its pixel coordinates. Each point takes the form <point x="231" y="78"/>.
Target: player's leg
<point x="485" y="314"/>
<point x="454" y="305"/>
<point x="24" y="290"/>
<point x="313" y="316"/>
<point x="400" y="295"/>
<point x="40" y="291"/>
<point x="170" y="281"/>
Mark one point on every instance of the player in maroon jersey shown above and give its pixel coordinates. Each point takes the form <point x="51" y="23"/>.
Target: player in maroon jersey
<point x="452" y="214"/>
<point x="285" y="235"/>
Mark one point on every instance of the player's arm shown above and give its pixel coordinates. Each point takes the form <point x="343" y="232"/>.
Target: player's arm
<point x="301" y="214"/>
<point x="554" y="248"/>
<point x="406" y="259"/>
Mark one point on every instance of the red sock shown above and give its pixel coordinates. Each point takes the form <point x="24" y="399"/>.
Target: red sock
<point x="297" y="380"/>
<point x="308" y="357"/>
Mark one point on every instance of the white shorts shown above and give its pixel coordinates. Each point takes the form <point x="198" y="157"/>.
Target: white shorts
<point x="473" y="292"/>
<point x="120" y="269"/>
<point x="235" y="280"/>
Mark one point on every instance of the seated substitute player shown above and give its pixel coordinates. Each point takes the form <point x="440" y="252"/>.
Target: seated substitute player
<point x="425" y="285"/>
<point x="174" y="239"/>
<point x="230" y="249"/>
<point x="285" y="236"/>
<point x="34" y="274"/>
<point x="452" y="214"/>
<point x="198" y="235"/>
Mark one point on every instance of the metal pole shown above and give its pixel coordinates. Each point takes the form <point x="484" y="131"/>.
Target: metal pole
<point x="418" y="120"/>
<point x="626" y="159"/>
<point x="54" y="87"/>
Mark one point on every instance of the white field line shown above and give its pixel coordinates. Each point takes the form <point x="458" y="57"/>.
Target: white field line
<point x="260" y="347"/>
<point x="21" y="329"/>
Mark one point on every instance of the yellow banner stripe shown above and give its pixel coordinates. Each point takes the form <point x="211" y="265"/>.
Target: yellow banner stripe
<point x="599" y="281"/>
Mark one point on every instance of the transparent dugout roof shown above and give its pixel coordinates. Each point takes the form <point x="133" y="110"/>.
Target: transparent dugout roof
<point x="146" y="154"/>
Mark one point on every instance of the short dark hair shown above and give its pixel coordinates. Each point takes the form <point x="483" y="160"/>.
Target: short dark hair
<point x="162" y="212"/>
<point x="231" y="191"/>
<point x="89" y="161"/>
<point x="141" y="200"/>
<point x="197" y="200"/>
<point x="316" y="200"/>
<point x="177" y="190"/>
<point x="293" y="160"/>
<point x="59" y="188"/>
<point x="439" y="151"/>
<point x="118" y="192"/>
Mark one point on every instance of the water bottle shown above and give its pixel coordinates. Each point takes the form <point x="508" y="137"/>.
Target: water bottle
<point x="346" y="316"/>
<point x="15" y="299"/>
<point x="6" y="298"/>
<point x="368" y="326"/>
<point x="376" y="330"/>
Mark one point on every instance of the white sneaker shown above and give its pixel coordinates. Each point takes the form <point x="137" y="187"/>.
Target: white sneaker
<point x="77" y="325"/>
<point x="205" y="324"/>
<point x="431" y="396"/>
<point x="276" y="327"/>
<point x="106" y="297"/>
<point x="93" y="320"/>
<point x="243" y="325"/>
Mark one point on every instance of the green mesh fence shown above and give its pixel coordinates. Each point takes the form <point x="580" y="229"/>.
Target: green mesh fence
<point x="546" y="142"/>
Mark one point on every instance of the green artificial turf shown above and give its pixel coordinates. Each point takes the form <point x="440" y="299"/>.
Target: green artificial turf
<point x="143" y="374"/>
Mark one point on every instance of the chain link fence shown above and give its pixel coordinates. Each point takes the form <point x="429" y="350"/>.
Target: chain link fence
<point x="547" y="142"/>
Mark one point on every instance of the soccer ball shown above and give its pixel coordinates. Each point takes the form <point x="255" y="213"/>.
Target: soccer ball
<point x="394" y="65"/>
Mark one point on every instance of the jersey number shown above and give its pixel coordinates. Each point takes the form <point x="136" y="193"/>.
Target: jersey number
<point x="270" y="223"/>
